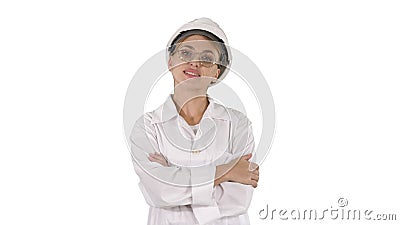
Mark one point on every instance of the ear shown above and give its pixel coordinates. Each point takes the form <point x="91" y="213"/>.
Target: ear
<point x="169" y="64"/>
<point x="217" y="73"/>
<point x="216" y="76"/>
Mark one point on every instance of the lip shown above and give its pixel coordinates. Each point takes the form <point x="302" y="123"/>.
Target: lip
<point x="191" y="73"/>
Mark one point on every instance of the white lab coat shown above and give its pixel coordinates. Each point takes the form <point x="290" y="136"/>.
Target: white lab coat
<point x="184" y="192"/>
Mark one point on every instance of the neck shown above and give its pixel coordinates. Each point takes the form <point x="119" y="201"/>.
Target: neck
<point x="191" y="105"/>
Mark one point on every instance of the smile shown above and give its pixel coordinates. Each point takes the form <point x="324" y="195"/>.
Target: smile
<point x="191" y="74"/>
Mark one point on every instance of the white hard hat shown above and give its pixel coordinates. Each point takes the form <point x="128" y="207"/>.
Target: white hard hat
<point x="206" y="27"/>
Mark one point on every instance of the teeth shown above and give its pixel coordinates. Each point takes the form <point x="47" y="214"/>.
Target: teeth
<point x="190" y="73"/>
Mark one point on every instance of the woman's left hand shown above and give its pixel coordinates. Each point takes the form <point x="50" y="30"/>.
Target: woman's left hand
<point x="158" y="158"/>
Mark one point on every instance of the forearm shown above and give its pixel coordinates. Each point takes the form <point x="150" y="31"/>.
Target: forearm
<point x="221" y="174"/>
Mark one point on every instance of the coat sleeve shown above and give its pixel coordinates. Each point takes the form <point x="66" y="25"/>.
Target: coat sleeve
<point x="234" y="198"/>
<point x="167" y="186"/>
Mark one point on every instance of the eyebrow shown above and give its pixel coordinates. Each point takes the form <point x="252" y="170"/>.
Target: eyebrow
<point x="209" y="51"/>
<point x="188" y="46"/>
<point x="191" y="47"/>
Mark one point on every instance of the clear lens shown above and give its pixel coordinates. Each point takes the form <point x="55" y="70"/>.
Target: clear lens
<point x="187" y="54"/>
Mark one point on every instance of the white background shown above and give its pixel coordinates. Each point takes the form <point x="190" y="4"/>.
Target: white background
<point x="332" y="66"/>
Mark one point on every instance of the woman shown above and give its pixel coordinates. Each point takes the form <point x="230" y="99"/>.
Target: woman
<point x="192" y="154"/>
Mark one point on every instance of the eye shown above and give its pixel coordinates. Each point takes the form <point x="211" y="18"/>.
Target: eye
<point x="186" y="53"/>
<point x="207" y="58"/>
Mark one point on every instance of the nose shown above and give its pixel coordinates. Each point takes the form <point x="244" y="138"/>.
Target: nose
<point x="195" y="63"/>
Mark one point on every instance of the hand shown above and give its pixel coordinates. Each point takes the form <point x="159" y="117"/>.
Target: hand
<point x="158" y="158"/>
<point x="239" y="170"/>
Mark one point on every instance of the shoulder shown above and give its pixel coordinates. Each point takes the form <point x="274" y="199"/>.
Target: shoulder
<point x="150" y="117"/>
<point x="142" y="129"/>
<point x="234" y="115"/>
<point x="145" y="120"/>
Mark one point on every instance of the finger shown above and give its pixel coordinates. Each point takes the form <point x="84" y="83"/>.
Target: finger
<point x="152" y="158"/>
<point x="161" y="162"/>
<point x="247" y="157"/>
<point x="256" y="172"/>
<point x="156" y="155"/>
<point x="253" y="166"/>
<point x="152" y="155"/>
<point x="254" y="183"/>
<point x="255" y="177"/>
<point x="159" y="157"/>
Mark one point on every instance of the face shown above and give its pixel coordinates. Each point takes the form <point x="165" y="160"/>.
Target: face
<point x="193" y="62"/>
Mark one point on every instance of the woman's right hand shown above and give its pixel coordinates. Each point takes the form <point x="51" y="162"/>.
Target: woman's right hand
<point x="158" y="158"/>
<point x="239" y="170"/>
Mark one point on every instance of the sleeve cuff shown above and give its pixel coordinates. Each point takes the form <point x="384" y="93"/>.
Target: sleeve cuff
<point x="206" y="214"/>
<point x="202" y="181"/>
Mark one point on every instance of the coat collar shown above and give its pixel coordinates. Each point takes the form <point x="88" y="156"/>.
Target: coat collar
<point x="168" y="111"/>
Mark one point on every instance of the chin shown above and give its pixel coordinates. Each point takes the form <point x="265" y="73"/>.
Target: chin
<point x="192" y="84"/>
